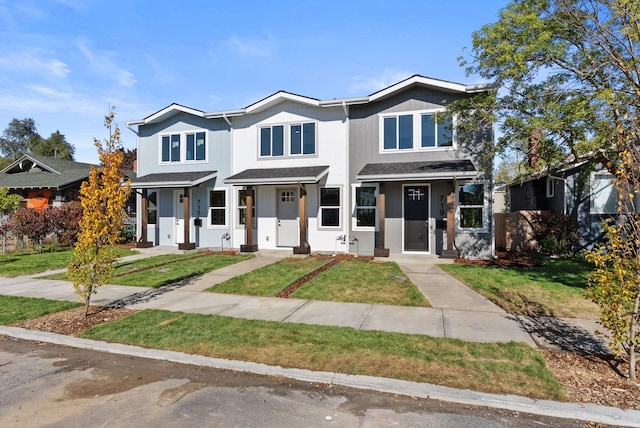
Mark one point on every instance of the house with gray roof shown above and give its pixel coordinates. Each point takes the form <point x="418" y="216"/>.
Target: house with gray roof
<point x="370" y="175"/>
<point x="42" y="180"/>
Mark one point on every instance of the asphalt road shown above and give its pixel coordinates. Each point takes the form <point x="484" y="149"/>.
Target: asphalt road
<point x="57" y="386"/>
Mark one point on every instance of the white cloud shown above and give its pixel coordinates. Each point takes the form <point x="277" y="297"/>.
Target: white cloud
<point x="31" y="61"/>
<point x="104" y="63"/>
<point x="251" y="47"/>
<point x="364" y="85"/>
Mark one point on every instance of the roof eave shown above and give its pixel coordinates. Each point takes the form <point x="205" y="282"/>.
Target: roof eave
<point x="416" y="177"/>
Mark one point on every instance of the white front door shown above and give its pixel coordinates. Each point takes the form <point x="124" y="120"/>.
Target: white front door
<point x="178" y="214"/>
<point x="287" y="217"/>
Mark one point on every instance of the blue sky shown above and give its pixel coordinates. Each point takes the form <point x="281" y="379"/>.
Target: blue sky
<point x="64" y="62"/>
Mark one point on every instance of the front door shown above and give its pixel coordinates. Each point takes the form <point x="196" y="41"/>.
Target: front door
<point x="178" y="213"/>
<point x="287" y="218"/>
<point x="416" y="218"/>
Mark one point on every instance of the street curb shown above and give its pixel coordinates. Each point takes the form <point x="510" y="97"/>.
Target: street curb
<point x="586" y="412"/>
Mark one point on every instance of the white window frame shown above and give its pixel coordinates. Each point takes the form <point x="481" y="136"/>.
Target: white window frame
<point x="286" y="150"/>
<point x="354" y="208"/>
<point x="183" y="147"/>
<point x="417" y="132"/>
<point x="321" y="208"/>
<point x="225" y="208"/>
<point x="550" y="187"/>
<point x="239" y="225"/>
<point x="600" y="208"/>
<point x="484" y="207"/>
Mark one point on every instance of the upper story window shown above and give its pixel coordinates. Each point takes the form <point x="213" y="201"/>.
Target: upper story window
<point x="414" y="131"/>
<point x="183" y="147"/>
<point x="297" y="139"/>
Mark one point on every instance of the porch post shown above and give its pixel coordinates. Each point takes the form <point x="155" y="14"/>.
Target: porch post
<point x="303" y="248"/>
<point x="142" y="242"/>
<point x="186" y="245"/>
<point x="249" y="246"/>
<point x="451" y="252"/>
<point x="380" y="250"/>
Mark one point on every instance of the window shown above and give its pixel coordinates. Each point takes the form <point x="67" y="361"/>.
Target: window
<point x="152" y="207"/>
<point x="398" y="132"/>
<point x="330" y="207"/>
<point x="472" y="206"/>
<point x="604" y="195"/>
<point x="217" y="208"/>
<point x="551" y="187"/>
<point x="194" y="148"/>
<point x="272" y="141"/>
<point x="242" y="207"/>
<point x="435" y="134"/>
<point x="366" y="209"/>
<point x="414" y="131"/>
<point x="303" y="139"/>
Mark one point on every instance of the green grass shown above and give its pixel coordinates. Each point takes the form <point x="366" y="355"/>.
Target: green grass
<point x="271" y="279"/>
<point x="16" y="308"/>
<point x="555" y="289"/>
<point x="511" y="368"/>
<point x="363" y="281"/>
<point x="169" y="273"/>
<point x="29" y="263"/>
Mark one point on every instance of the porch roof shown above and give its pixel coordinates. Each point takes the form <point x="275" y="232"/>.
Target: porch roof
<point x="254" y="177"/>
<point x="413" y="171"/>
<point x="172" y="179"/>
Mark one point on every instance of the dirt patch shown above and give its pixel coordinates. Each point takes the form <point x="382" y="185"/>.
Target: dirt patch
<point x="506" y="259"/>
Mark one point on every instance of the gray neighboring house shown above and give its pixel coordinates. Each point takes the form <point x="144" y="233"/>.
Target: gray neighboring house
<point x="42" y="180"/>
<point x="416" y="188"/>
<point x="583" y="190"/>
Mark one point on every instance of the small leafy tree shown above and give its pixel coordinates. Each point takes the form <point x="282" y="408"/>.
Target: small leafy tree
<point x="34" y="224"/>
<point x="103" y="197"/>
<point x="8" y="205"/>
<point x="615" y="281"/>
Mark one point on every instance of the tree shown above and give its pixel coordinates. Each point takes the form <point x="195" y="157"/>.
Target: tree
<point x="56" y="146"/>
<point x="103" y="197"/>
<point x="8" y="205"/>
<point x="130" y="157"/>
<point x="19" y="138"/>
<point x="568" y="74"/>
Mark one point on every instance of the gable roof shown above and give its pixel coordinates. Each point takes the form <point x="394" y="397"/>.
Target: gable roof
<point x="41" y="172"/>
<point x="282" y="96"/>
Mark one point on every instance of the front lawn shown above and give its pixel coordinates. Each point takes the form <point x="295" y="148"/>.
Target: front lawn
<point x="28" y="263"/>
<point x="15" y="308"/>
<point x="363" y="281"/>
<point x="555" y="289"/>
<point x="511" y="368"/>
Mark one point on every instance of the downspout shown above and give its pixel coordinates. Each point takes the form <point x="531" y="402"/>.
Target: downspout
<point x="132" y="130"/>
<point x="226" y="119"/>
<point x="347" y="197"/>
<point x="233" y="188"/>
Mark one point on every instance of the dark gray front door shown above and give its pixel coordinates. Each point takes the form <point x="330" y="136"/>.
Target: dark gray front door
<point x="416" y="218"/>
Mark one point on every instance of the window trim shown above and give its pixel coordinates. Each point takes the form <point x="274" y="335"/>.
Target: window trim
<point x="287" y="141"/>
<point x="550" y="185"/>
<point x="354" y="208"/>
<point x="338" y="207"/>
<point x="592" y="179"/>
<point x="484" y="207"/>
<point x="416" y="132"/>
<point x="183" y="146"/>
<point x="225" y="208"/>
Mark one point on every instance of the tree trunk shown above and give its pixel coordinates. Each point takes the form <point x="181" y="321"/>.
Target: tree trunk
<point x="633" y="332"/>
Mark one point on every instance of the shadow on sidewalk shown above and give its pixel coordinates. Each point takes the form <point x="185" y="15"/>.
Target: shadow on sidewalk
<point x="148" y="295"/>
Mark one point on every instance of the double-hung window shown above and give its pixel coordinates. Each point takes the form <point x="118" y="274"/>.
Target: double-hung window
<point x="472" y="207"/>
<point x="366" y="206"/>
<point x="272" y="141"/>
<point x="183" y="147"/>
<point x="330" y="207"/>
<point x="217" y="208"/>
<point x="242" y="207"/>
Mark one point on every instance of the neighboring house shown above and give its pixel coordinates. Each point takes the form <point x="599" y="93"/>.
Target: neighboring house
<point x="321" y="175"/>
<point x="44" y="181"/>
<point x="582" y="190"/>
